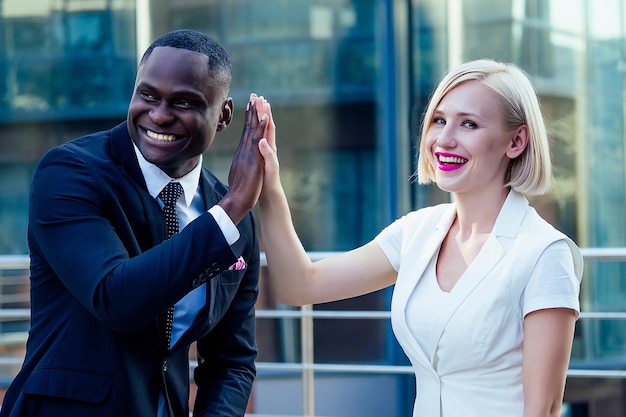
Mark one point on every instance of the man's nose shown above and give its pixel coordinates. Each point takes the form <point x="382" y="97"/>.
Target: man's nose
<point x="161" y="113"/>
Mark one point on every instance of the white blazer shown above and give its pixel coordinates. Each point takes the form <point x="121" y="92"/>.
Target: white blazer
<point x="476" y="341"/>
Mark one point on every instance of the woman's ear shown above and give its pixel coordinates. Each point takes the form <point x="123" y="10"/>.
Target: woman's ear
<point x="226" y="115"/>
<point x="518" y="143"/>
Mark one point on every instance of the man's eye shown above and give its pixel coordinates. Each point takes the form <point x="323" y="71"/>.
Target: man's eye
<point x="147" y="96"/>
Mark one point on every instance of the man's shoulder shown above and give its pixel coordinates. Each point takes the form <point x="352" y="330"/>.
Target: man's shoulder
<point x="89" y="141"/>
<point x="93" y="145"/>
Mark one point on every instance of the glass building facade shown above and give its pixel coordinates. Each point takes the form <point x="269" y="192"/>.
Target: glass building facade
<point x="348" y="81"/>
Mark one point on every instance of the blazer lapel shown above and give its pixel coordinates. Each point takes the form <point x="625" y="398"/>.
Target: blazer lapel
<point x="404" y="288"/>
<point x="417" y="265"/>
<point x="145" y="216"/>
<point x="124" y="155"/>
<point x="506" y="226"/>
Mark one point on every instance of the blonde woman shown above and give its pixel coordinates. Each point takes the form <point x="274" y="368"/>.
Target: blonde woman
<point x="486" y="291"/>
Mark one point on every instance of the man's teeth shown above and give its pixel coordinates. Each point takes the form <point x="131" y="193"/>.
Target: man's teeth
<point x="452" y="160"/>
<point x="159" y="136"/>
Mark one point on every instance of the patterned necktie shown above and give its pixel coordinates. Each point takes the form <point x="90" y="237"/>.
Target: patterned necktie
<point x="170" y="195"/>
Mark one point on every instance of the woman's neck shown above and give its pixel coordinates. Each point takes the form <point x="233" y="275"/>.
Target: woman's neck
<point x="477" y="213"/>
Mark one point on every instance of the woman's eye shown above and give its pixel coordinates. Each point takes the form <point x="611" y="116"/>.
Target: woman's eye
<point x="469" y="124"/>
<point x="439" y="121"/>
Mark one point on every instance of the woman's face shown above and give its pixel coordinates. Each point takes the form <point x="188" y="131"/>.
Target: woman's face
<point x="470" y="147"/>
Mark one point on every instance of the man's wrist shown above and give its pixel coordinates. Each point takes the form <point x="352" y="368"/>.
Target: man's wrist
<point x="229" y="230"/>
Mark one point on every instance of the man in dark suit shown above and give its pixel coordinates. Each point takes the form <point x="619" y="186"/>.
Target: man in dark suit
<point x="104" y="273"/>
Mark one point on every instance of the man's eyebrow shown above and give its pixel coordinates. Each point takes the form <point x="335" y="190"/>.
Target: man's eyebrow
<point x="145" y="84"/>
<point x="184" y="93"/>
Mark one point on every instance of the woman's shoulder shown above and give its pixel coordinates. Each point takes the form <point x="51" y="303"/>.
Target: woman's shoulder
<point x="518" y="218"/>
<point x="429" y="212"/>
<point x="536" y="225"/>
<point x="536" y="232"/>
<point x="420" y="221"/>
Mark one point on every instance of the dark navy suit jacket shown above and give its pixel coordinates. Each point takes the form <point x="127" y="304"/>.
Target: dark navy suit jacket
<point x="101" y="275"/>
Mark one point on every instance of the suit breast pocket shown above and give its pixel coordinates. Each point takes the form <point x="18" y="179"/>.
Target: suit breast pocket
<point x="231" y="277"/>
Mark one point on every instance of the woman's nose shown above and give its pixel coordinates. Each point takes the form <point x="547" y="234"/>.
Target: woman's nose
<point x="446" y="137"/>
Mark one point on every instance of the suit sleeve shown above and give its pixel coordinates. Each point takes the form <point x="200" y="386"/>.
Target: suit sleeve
<point x="226" y="368"/>
<point x="80" y="232"/>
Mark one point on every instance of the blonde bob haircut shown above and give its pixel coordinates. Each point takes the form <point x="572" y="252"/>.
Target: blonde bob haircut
<point x="529" y="173"/>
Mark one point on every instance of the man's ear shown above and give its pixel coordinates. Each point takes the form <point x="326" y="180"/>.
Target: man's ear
<point x="518" y="143"/>
<point x="226" y="115"/>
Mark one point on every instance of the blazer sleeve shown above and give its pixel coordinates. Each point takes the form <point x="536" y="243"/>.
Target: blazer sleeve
<point x="80" y="231"/>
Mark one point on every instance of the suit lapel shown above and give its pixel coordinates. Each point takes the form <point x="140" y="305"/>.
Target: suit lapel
<point x="144" y="213"/>
<point x="488" y="257"/>
<point x="417" y="265"/>
<point x="124" y="155"/>
<point x="506" y="226"/>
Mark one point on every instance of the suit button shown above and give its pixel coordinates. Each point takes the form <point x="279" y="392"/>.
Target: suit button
<point x="200" y="280"/>
<point x="216" y="267"/>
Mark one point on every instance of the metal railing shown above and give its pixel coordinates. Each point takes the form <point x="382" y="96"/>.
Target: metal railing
<point x="306" y="315"/>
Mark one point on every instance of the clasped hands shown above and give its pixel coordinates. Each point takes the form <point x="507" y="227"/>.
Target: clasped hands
<point x="254" y="165"/>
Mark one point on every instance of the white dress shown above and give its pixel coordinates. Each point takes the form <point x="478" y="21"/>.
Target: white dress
<point x="472" y="366"/>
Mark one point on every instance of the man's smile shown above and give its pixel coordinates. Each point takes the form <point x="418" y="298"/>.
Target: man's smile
<point x="160" y="136"/>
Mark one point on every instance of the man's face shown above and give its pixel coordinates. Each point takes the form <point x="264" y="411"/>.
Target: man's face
<point x="176" y="109"/>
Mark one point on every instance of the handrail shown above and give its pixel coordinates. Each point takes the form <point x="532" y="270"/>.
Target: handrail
<point x="14" y="262"/>
<point x="306" y="315"/>
<point x="7" y="314"/>
<point x="612" y="254"/>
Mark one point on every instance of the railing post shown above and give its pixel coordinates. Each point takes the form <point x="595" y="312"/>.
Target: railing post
<point x="308" y="377"/>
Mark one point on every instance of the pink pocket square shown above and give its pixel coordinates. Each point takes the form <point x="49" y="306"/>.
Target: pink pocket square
<point x="239" y="265"/>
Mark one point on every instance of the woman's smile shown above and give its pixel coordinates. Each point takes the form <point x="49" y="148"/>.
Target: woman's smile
<point x="449" y="162"/>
